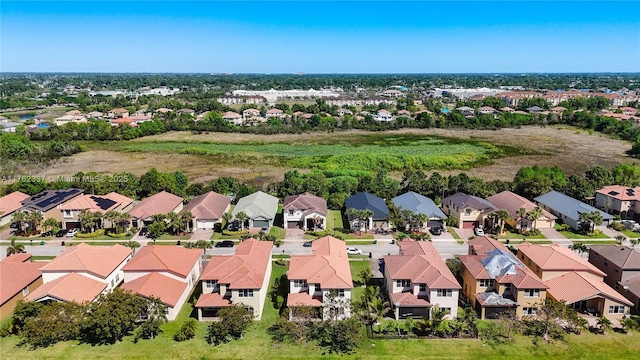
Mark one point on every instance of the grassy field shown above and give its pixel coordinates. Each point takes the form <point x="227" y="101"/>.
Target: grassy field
<point x="277" y="231"/>
<point x="334" y="219"/>
<point x="573" y="236"/>
<point x="257" y="344"/>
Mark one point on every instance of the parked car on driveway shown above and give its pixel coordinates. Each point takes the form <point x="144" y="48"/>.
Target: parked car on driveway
<point x="307" y="243"/>
<point x="478" y="232"/>
<point x="47" y="233"/>
<point x="143" y="231"/>
<point x="436" y="230"/>
<point x="225" y="243"/>
<point x="61" y="233"/>
<point x="354" y="251"/>
<point x="72" y="232"/>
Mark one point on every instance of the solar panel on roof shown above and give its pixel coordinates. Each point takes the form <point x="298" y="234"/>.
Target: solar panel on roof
<point x="103" y="203"/>
<point x="613" y="193"/>
<point x="630" y="192"/>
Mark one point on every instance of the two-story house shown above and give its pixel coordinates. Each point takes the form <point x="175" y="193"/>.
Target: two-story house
<point x="468" y="210"/>
<point x="161" y="203"/>
<point x="305" y="211"/>
<point x="495" y="281"/>
<point x="19" y="277"/>
<point x="573" y="280"/>
<point x="418" y="279"/>
<point x="93" y="203"/>
<point x="49" y="202"/>
<point x="322" y="280"/>
<point x="166" y="272"/>
<point x="242" y="278"/>
<point x="622" y="266"/>
<point x="619" y="200"/>
<point x="81" y="273"/>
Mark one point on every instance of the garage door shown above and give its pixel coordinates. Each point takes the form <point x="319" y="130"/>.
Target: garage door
<point x="292" y="224"/>
<point x="72" y="225"/>
<point x="206" y="224"/>
<point x="469" y="224"/>
<point x="434" y="223"/>
<point x="260" y="223"/>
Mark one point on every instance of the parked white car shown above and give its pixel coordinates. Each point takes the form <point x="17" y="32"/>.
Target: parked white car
<point x="354" y="251"/>
<point x="478" y="232"/>
<point x="72" y="232"/>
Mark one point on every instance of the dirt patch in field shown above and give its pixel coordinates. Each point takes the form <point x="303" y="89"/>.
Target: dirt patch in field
<point x="571" y="149"/>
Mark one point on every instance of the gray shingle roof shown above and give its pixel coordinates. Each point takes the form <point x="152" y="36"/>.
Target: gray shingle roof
<point x="418" y="204"/>
<point x="363" y="200"/>
<point x="257" y="205"/>
<point x="568" y="206"/>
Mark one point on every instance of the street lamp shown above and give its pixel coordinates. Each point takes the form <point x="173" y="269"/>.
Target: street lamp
<point x="398" y="316"/>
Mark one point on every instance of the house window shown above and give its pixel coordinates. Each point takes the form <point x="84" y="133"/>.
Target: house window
<point x="403" y="283"/>
<point x="606" y="263"/>
<point x="67" y="213"/>
<point x="486" y="283"/>
<point x="340" y="293"/>
<point x="291" y="212"/>
<point x="117" y="278"/>
<point x="507" y="288"/>
<point x="25" y="291"/>
<point x="446" y="310"/>
<point x="245" y="293"/>
<point x="529" y="311"/>
<point x="444" y="293"/>
<point x="210" y="284"/>
<point x="300" y="283"/>
<point x="112" y="283"/>
<point x="619" y="309"/>
<point x="467" y="212"/>
<point x="531" y="293"/>
<point x="166" y="311"/>
<point x="423" y="287"/>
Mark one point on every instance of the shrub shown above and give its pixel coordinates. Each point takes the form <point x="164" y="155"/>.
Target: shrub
<point x="617" y="226"/>
<point x="187" y="330"/>
<point x="118" y="236"/>
<point x="97" y="233"/>
<point x="234" y="233"/>
<point x="320" y="234"/>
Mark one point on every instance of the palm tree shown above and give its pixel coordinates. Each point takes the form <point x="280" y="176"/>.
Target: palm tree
<point x="522" y="212"/>
<point x="35" y="219"/>
<point x="112" y="216"/>
<point x="158" y="217"/>
<point x="379" y="308"/>
<point x="604" y="324"/>
<point x="174" y="223"/>
<point x="534" y="215"/>
<point x="186" y="217"/>
<point x="131" y="245"/>
<point x="19" y="217"/>
<point x="502" y="216"/>
<point x="242" y="216"/>
<point x="50" y="223"/>
<point x="227" y="217"/>
<point x="579" y="247"/>
<point x="15" y="248"/>
<point x="87" y="220"/>
<point x="419" y="220"/>
<point x="634" y="242"/>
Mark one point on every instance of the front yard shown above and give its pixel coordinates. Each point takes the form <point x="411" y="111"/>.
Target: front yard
<point x="511" y="235"/>
<point x="571" y="234"/>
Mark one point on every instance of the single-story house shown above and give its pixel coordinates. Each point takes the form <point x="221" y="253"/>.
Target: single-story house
<point x="306" y="211"/>
<point x="568" y="209"/>
<point x="468" y="210"/>
<point x="242" y="278"/>
<point x="161" y="203"/>
<point x="366" y="201"/>
<point x="207" y="209"/>
<point x="512" y="202"/>
<point x="260" y="208"/>
<point x="419" y="204"/>
<point x="9" y="204"/>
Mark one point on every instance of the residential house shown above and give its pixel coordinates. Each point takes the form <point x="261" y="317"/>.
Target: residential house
<point x="487" y="110"/>
<point x="65" y="119"/>
<point x="163" y="110"/>
<point x="419" y="204"/>
<point x="629" y="111"/>
<point x="261" y="209"/>
<point x="161" y="203"/>
<point x="81" y="273"/>
<point x="622" y="266"/>
<point x="94" y="203"/>
<point x="366" y="201"/>
<point x="494" y="281"/>
<point x="512" y="203"/>
<point x="207" y="209"/>
<point x="393" y="93"/>
<point x="186" y="111"/>
<point x="322" y="280"/>
<point x="242" y="278"/>
<point x="49" y="202"/>
<point x="418" y="279"/>
<point x="568" y="209"/>
<point x="133" y="120"/>
<point x="9" y="204"/>
<point x="466" y="111"/>
<point x="9" y="126"/>
<point x="274" y="113"/>
<point x="166" y="272"/>
<point x="468" y="210"/>
<point x="573" y="280"/>
<point x="251" y="114"/>
<point x="118" y="113"/>
<point x="19" y="277"/>
<point x="305" y="211"/>
<point x="232" y="117"/>
<point x="535" y="110"/>
<point x="95" y="115"/>
<point x="619" y="200"/>
<point x="383" y="116"/>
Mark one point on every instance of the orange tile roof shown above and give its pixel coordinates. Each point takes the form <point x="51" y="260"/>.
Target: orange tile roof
<point x="483" y="244"/>
<point x="176" y="260"/>
<point x="93" y="202"/>
<point x="12" y="202"/>
<point x="72" y="287"/>
<point x="512" y="202"/>
<point x="523" y="279"/>
<point x="244" y="270"/>
<point x="157" y="285"/>
<point x="328" y="266"/>
<point x="212" y="300"/>
<point x="620" y="192"/>
<point x="209" y="206"/>
<point x="97" y="260"/>
<point x="572" y="287"/>
<point x="557" y="258"/>
<point x="302" y="299"/>
<point x="16" y="273"/>
<point x="408" y="299"/>
<point x="421" y="263"/>
<point x="160" y="203"/>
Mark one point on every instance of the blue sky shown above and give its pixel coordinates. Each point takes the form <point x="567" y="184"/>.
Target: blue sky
<point x="320" y="37"/>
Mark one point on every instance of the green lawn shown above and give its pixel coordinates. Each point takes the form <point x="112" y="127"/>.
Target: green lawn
<point x="220" y="236"/>
<point x="453" y="233"/>
<point x="42" y="258"/>
<point x="334" y="220"/>
<point x="511" y="235"/>
<point x="277" y="231"/>
<point x="572" y="235"/>
<point x="358" y="242"/>
<point x="173" y="237"/>
<point x="595" y="242"/>
<point x="631" y="234"/>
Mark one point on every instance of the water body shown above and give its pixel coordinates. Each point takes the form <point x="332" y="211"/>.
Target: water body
<point x="25" y="117"/>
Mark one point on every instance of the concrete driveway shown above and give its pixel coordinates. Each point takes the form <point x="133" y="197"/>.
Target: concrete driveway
<point x="201" y="234"/>
<point x="465" y="233"/>
<point x="294" y="234"/>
